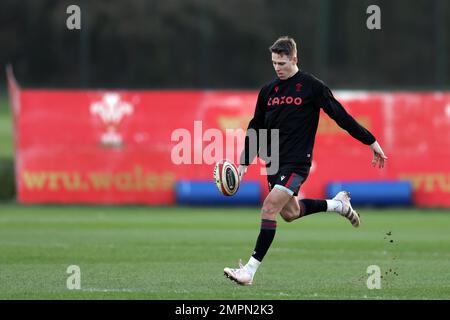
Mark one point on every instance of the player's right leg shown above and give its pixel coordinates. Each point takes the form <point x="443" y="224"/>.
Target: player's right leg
<point x="272" y="205"/>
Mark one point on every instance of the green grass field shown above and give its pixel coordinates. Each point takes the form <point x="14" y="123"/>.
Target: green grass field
<point x="6" y="141"/>
<point x="179" y="253"/>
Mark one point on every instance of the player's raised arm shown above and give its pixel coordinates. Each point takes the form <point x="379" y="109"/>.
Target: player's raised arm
<point x="336" y="111"/>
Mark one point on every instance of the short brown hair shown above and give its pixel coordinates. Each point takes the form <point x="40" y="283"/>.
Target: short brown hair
<point x="284" y="45"/>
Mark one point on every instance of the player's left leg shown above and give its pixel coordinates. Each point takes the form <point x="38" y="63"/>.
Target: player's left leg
<point x="290" y="180"/>
<point x="341" y="204"/>
<point x="291" y="210"/>
<point x="295" y="208"/>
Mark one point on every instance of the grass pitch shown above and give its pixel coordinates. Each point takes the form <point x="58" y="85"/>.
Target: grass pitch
<point x="6" y="140"/>
<point x="180" y="253"/>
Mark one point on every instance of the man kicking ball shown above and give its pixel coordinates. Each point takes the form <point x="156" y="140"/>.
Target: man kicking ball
<point x="291" y="104"/>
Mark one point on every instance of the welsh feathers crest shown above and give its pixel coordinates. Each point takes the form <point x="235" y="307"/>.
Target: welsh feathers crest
<point x="111" y="110"/>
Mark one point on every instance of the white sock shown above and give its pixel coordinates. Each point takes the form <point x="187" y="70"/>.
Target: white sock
<point x="334" y="205"/>
<point x="252" y="265"/>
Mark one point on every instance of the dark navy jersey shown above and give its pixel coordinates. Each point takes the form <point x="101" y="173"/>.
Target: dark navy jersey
<point x="293" y="106"/>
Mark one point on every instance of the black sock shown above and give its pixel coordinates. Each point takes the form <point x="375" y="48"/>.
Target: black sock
<point x="265" y="238"/>
<point x="310" y="206"/>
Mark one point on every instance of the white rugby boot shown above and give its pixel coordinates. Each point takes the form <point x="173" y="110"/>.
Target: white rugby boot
<point x="240" y="276"/>
<point x="347" y="210"/>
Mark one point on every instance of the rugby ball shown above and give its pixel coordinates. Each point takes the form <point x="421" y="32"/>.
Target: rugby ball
<point x="226" y="177"/>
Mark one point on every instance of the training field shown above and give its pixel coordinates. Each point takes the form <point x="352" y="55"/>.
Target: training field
<point x="179" y="253"/>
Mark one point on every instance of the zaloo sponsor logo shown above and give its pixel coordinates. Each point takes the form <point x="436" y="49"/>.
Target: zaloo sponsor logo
<point x="276" y="101"/>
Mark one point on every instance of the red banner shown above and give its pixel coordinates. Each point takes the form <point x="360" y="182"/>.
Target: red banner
<point x="90" y="146"/>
